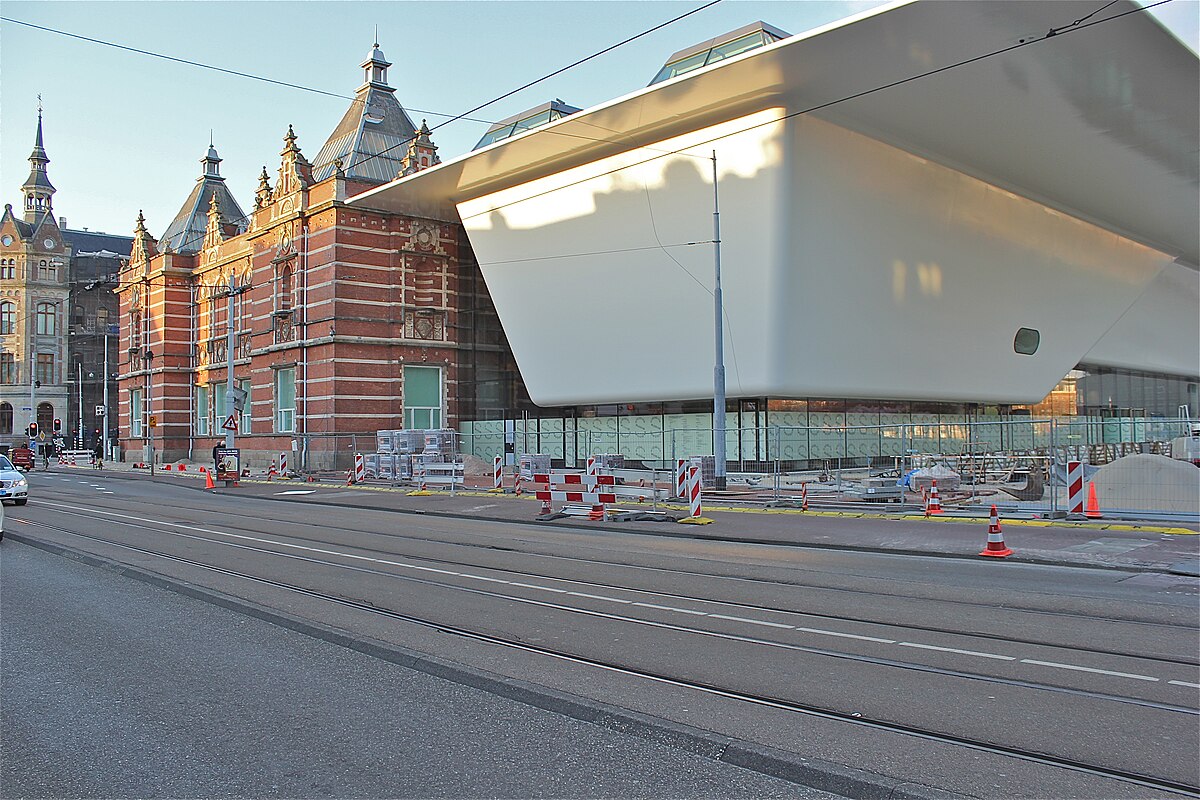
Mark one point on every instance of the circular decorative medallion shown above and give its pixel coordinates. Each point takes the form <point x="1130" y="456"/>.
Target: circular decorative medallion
<point x="423" y="237"/>
<point x="49" y="243"/>
<point x="7" y="240"/>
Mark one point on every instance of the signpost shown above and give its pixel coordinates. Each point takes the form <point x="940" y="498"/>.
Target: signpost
<point x="229" y="463"/>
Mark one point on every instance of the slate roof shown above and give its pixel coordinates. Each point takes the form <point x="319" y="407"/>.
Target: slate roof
<point x="186" y="232"/>
<point x="91" y="242"/>
<point x="373" y="136"/>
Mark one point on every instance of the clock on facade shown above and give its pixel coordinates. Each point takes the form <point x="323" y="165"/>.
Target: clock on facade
<point x="6" y="239"/>
<point x="49" y="243"/>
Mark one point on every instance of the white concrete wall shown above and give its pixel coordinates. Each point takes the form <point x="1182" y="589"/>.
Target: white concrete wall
<point x="851" y="269"/>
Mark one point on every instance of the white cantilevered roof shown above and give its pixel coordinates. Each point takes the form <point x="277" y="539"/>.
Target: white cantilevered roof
<point x="1099" y="121"/>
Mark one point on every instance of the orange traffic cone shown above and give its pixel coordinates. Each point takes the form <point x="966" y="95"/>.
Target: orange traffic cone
<point x="995" y="541"/>
<point x="1092" y="511"/>
<point x="934" y="506"/>
<point x="208" y="480"/>
<point x="597" y="513"/>
<point x="546" y="509"/>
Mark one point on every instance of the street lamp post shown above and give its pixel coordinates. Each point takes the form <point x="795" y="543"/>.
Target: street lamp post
<point x="79" y="386"/>
<point x="719" y="365"/>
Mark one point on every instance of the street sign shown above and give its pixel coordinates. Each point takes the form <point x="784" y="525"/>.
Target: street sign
<point x="239" y="399"/>
<point x="228" y="463"/>
<point x="153" y="421"/>
<point x="230" y="424"/>
<point x="99" y="411"/>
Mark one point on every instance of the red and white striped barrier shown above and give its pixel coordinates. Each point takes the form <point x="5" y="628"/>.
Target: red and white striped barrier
<point x="283" y="465"/>
<point x="360" y="468"/>
<point x="592" y="466"/>
<point x="694" y="492"/>
<point x="575" y="479"/>
<point x="681" y="477"/>
<point x="498" y="474"/>
<point x="804" y="496"/>
<point x="1074" y="487"/>
<point x="595" y="498"/>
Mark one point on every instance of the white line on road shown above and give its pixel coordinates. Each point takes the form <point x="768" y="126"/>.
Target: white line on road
<point x="422" y="568"/>
<point x="296" y="491"/>
<point x="955" y="650"/>
<point x="847" y="635"/>
<point x="1088" y="669"/>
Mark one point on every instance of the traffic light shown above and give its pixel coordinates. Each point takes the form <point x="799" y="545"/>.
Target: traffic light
<point x="33" y="430"/>
<point x="57" y="425"/>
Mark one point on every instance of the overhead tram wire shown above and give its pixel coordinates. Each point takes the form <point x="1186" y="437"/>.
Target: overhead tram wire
<point x="1053" y="33"/>
<point x="452" y="118"/>
<point x="224" y="70"/>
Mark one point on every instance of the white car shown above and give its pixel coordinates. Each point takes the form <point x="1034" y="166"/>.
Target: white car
<point x="13" y="486"/>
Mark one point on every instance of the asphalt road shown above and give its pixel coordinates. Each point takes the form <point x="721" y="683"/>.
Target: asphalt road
<point x="1094" y="667"/>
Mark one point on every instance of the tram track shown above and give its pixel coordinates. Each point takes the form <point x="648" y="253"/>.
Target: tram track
<point x="783" y="704"/>
<point x="240" y="525"/>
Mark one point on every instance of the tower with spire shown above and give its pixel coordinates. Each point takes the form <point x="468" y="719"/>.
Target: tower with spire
<point x="37" y="188"/>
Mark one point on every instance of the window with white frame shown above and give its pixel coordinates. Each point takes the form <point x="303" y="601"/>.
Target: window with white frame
<point x="422" y="397"/>
<point x="220" y="406"/>
<point x="202" y="411"/>
<point x="285" y="400"/>
<point x="244" y="422"/>
<point x="8" y="318"/>
<point x="135" y="413"/>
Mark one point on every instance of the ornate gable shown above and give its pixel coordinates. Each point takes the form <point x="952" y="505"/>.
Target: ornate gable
<point x="144" y="247"/>
<point x="295" y="173"/>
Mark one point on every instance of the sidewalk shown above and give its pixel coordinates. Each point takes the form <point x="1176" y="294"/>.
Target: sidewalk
<point x="1149" y="547"/>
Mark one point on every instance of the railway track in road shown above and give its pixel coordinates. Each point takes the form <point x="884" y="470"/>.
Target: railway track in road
<point x="563" y="655"/>
<point x="244" y="521"/>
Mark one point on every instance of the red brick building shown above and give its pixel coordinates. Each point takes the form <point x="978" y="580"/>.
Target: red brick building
<point x="346" y="321"/>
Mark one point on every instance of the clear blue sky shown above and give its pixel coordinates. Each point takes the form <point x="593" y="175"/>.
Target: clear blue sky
<point x="126" y="132"/>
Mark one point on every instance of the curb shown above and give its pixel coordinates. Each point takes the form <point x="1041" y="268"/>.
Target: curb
<point x="814" y="773"/>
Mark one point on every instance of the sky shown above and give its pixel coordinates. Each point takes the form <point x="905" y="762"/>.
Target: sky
<point x="126" y="132"/>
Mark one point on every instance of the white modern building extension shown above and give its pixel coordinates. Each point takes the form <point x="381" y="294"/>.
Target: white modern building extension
<point x="931" y="201"/>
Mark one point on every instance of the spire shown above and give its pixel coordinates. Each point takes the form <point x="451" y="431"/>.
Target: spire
<point x="37" y="188"/>
<point x="262" y="197"/>
<point x="212" y="162"/>
<point x="376" y="66"/>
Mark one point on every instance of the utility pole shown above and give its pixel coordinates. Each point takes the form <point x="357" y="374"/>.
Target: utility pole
<point x="104" y="421"/>
<point x="719" y="367"/>
<point x="79" y="386"/>
<point x="229" y="345"/>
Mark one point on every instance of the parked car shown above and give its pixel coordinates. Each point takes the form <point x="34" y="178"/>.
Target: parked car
<point x="13" y="485"/>
<point x="1" y="520"/>
<point x="21" y="457"/>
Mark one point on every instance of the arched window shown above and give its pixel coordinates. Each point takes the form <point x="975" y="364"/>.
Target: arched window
<point x="8" y="318"/>
<point x="6" y="418"/>
<point x="45" y="416"/>
<point x="45" y="319"/>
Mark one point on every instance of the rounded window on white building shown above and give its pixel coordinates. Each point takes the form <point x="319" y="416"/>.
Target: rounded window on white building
<point x="1026" y="341"/>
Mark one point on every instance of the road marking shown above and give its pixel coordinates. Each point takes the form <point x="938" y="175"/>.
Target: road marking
<point x="598" y="597"/>
<point x="818" y="631"/>
<point x="847" y="635"/>
<point x="672" y="608"/>
<point x="752" y="621"/>
<point x="956" y="650"/>
<point x="298" y="491"/>
<point x="1088" y="669"/>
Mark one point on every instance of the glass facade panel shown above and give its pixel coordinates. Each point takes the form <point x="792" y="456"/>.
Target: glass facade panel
<point x="736" y="47"/>
<point x="680" y="67"/>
